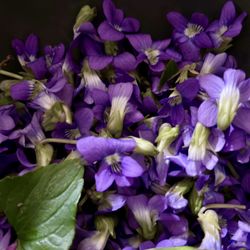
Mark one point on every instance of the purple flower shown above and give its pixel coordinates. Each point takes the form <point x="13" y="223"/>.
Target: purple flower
<point x="116" y="25"/>
<point x="226" y="96"/>
<point x="190" y="36"/>
<point x="154" y="53"/>
<point x="116" y="165"/>
<point x="99" y="60"/>
<point x="228" y="26"/>
<point x="173" y="106"/>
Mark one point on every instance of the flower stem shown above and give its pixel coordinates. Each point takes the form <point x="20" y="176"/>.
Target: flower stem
<point x="58" y="140"/>
<point x="10" y="74"/>
<point x="226" y="206"/>
<point x="232" y="170"/>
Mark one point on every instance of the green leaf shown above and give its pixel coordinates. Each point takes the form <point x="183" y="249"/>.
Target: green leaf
<point x="170" y="71"/>
<point x="41" y="205"/>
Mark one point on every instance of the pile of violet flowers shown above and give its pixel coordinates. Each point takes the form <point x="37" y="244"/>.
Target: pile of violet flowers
<point x="162" y="129"/>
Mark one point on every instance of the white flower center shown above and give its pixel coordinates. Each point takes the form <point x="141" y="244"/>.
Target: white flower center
<point x="228" y="105"/>
<point x="193" y="29"/>
<point x="152" y="55"/>
<point x="114" y="162"/>
<point x="199" y="142"/>
<point x="221" y="30"/>
<point x="117" y="27"/>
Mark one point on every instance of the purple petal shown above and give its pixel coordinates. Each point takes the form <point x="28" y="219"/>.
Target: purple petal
<point x="108" y="33"/>
<point x="141" y="202"/>
<point x="189" y="88"/>
<point x="236" y="27"/>
<point x="140" y="42"/>
<point x="159" y="67"/>
<point x="146" y="245"/>
<point x="242" y="119"/>
<point x="22" y="158"/>
<point x="200" y="19"/>
<point x="130" y="24"/>
<point x="22" y="91"/>
<point x="245" y="182"/>
<point x="177" y="114"/>
<point x="161" y="45"/>
<point x="202" y="40"/>
<point x="99" y="62"/>
<point x="122" y="181"/>
<point x="96" y="148"/>
<point x="207" y="113"/>
<point x="38" y="68"/>
<point x="216" y="139"/>
<point x="116" y="201"/>
<point x="210" y="160"/>
<point x="84" y="119"/>
<point x="228" y="13"/>
<point x="31" y="44"/>
<point x="190" y="51"/>
<point x="236" y="140"/>
<point x="235" y="76"/>
<point x="170" y="243"/>
<point x="18" y="46"/>
<point x="103" y="178"/>
<point x="113" y="15"/>
<point x="130" y="167"/>
<point x="171" y="54"/>
<point x="125" y="62"/>
<point x="244" y="90"/>
<point x="157" y="203"/>
<point x="212" y="84"/>
<point x="120" y="90"/>
<point x="178" y="21"/>
<point x="6" y="122"/>
<point x="176" y="201"/>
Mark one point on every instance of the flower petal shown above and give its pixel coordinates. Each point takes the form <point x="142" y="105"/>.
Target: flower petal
<point x="236" y="140"/>
<point x="189" y="88"/>
<point x="130" y="167"/>
<point x="161" y="45"/>
<point x="99" y="62"/>
<point x="31" y="45"/>
<point x="242" y="119"/>
<point x="84" y="118"/>
<point x="200" y="19"/>
<point x="38" y="68"/>
<point x="125" y="62"/>
<point x="227" y="13"/>
<point x="207" y="113"/>
<point x="216" y="140"/>
<point x="234" y="76"/>
<point x="210" y="160"/>
<point x="130" y="24"/>
<point x="103" y="178"/>
<point x="108" y="33"/>
<point x="6" y="123"/>
<point x="122" y="181"/>
<point x="202" y="40"/>
<point x="113" y="15"/>
<point x="178" y="21"/>
<point x="140" y="42"/>
<point x="244" y="90"/>
<point x="212" y="84"/>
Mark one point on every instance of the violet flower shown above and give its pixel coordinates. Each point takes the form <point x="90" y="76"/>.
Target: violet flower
<point x="228" y="26"/>
<point x="116" y="25"/>
<point x="115" y="164"/>
<point x="226" y="96"/>
<point x="154" y="53"/>
<point x="190" y="36"/>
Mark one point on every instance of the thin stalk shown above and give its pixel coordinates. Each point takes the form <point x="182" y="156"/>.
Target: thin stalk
<point x="226" y="206"/>
<point x="58" y="140"/>
<point x="10" y="74"/>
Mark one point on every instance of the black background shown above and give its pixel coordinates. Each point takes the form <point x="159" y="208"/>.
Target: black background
<point x="52" y="20"/>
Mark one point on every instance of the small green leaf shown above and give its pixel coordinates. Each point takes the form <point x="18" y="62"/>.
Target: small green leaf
<point x="170" y="71"/>
<point x="41" y="205"/>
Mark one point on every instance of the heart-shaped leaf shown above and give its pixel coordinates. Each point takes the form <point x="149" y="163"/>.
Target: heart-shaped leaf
<point x="41" y="205"/>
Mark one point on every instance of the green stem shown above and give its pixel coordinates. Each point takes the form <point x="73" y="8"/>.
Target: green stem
<point x="10" y="74"/>
<point x="233" y="171"/>
<point x="58" y="140"/>
<point x="227" y="206"/>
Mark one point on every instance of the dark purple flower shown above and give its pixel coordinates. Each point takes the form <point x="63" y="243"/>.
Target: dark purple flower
<point x="116" y="25"/>
<point x="228" y="26"/>
<point x="190" y="36"/>
<point x="154" y="53"/>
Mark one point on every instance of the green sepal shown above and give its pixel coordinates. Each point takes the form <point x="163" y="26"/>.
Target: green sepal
<point x="111" y="48"/>
<point x="44" y="154"/>
<point x="196" y="200"/>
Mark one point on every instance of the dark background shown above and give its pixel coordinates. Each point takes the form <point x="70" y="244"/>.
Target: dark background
<point x="52" y="20"/>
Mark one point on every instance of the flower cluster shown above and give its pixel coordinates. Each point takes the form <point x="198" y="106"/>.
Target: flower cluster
<point x="163" y="128"/>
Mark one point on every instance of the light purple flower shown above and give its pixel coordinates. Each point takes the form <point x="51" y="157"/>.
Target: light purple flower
<point x="116" y="25"/>
<point x="226" y="95"/>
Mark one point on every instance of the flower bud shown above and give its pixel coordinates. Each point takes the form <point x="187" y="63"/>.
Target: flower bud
<point x="144" y="147"/>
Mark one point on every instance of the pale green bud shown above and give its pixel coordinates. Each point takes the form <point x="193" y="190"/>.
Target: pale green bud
<point x="144" y="147"/>
<point x="167" y="135"/>
<point x="106" y="223"/>
<point x="44" y="153"/>
<point x="196" y="200"/>
<point x="111" y="48"/>
<point x="182" y="187"/>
